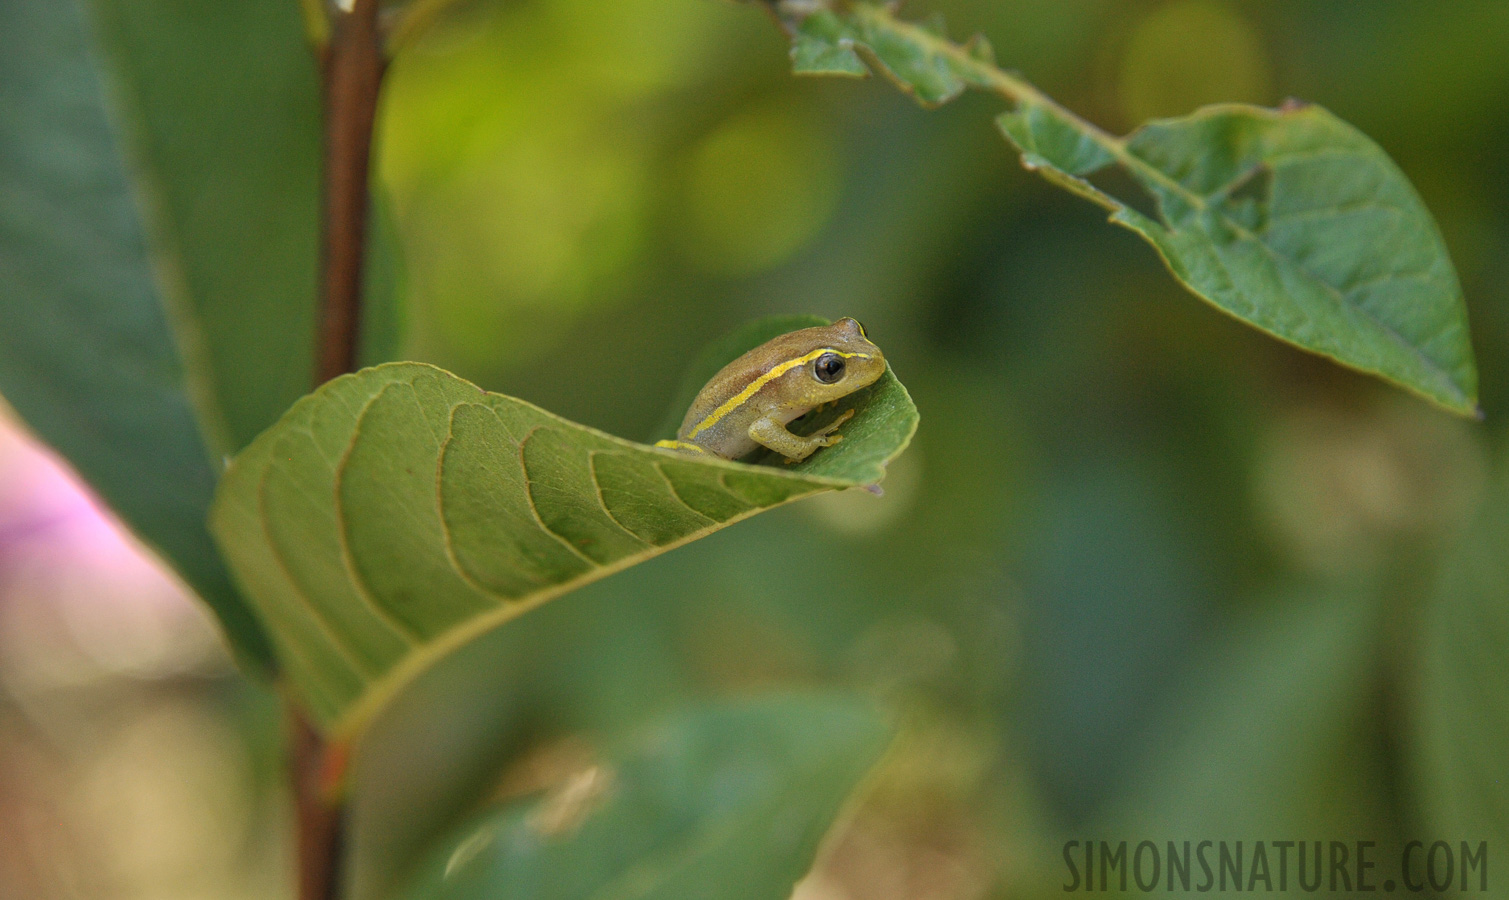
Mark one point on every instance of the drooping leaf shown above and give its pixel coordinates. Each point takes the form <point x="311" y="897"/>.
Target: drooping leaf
<point x="1461" y="699"/>
<point x="159" y="164"/>
<point x="1290" y="220"/>
<point x="725" y="801"/>
<point x="396" y="513"/>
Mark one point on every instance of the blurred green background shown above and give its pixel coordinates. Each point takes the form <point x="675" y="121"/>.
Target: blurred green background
<point x="1144" y="573"/>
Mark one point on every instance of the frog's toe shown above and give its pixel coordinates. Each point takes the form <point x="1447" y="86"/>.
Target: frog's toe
<point x="833" y="425"/>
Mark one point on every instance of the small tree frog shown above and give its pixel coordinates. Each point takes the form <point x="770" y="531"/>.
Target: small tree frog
<point x="751" y="400"/>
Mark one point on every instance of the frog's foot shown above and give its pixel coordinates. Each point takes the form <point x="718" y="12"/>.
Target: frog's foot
<point x="773" y="434"/>
<point x="825" y="435"/>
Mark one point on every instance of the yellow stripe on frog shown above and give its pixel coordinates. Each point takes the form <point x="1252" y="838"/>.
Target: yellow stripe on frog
<point x="737" y="400"/>
<point x="680" y="445"/>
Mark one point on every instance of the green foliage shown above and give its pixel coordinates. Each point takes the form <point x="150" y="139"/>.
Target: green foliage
<point x="219" y="107"/>
<point x="106" y="348"/>
<point x="1290" y="220"/>
<point x="916" y="58"/>
<point x="394" y="514"/>
<point x="158" y="281"/>
<point x="1086" y="474"/>
<point x="725" y="801"/>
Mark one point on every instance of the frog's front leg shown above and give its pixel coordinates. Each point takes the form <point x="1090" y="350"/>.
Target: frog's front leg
<point x="769" y="433"/>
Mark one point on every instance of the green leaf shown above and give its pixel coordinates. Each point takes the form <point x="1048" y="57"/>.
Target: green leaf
<point x="822" y="45"/>
<point x="397" y="513"/>
<point x="99" y="353"/>
<point x="1461" y="702"/>
<point x="219" y="106"/>
<point x="727" y="801"/>
<point x="1290" y="220"/>
<point x="159" y="169"/>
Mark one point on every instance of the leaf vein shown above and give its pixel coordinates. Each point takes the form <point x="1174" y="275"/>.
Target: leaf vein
<point x="1345" y="209"/>
<point x="359" y="584"/>
<point x="346" y="654"/>
<point x="535" y="510"/>
<point x="446" y="538"/>
<point x="677" y="494"/>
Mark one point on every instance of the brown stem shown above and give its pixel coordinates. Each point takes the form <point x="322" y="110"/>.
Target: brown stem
<point x="353" y="62"/>
<point x="321" y="817"/>
<point x="354" y="66"/>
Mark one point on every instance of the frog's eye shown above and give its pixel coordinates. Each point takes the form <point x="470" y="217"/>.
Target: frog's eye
<point x="829" y="368"/>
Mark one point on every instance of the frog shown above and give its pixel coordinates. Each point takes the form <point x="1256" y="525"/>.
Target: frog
<point x="749" y="403"/>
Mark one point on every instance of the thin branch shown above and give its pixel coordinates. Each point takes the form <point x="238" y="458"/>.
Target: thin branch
<point x="321" y="831"/>
<point x="354" y="66"/>
<point x="353" y="61"/>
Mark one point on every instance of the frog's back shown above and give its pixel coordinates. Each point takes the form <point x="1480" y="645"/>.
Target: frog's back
<point x="728" y="434"/>
<point x="773" y="384"/>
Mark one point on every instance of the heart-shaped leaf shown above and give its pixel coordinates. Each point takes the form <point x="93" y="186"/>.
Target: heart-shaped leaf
<point x="726" y="801"/>
<point x="396" y="513"/>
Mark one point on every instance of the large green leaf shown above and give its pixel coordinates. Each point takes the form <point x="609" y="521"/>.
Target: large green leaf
<point x="395" y="514"/>
<point x="727" y="801"/>
<point x="98" y="351"/>
<point x="1290" y="220"/>
<point x="159" y="178"/>
<point x="1461" y="699"/>
<point x="219" y="105"/>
